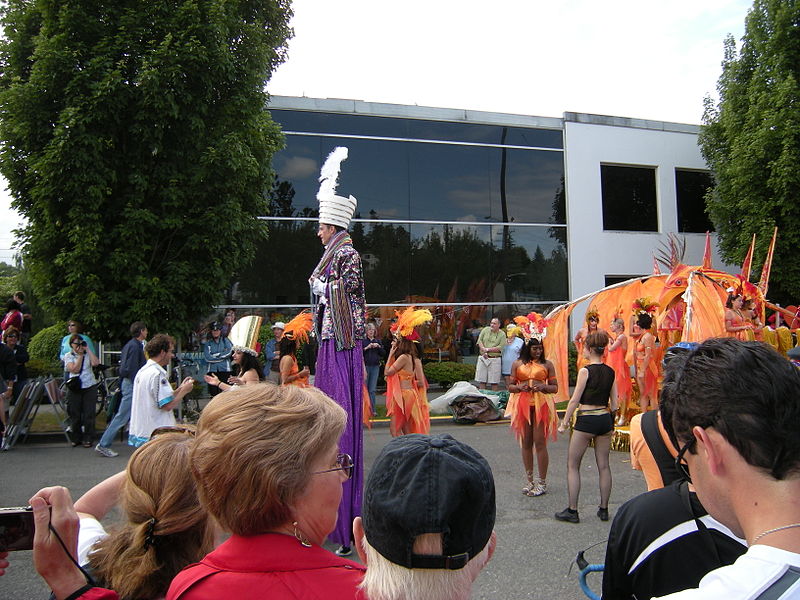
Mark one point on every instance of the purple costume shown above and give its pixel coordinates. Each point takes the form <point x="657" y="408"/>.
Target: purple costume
<point x="340" y="372"/>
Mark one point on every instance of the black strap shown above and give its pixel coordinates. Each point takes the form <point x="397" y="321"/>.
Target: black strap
<point x="664" y="459"/>
<point x="79" y="592"/>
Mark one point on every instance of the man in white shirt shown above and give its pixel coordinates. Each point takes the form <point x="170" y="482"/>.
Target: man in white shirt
<point x="736" y="422"/>
<point x="153" y="396"/>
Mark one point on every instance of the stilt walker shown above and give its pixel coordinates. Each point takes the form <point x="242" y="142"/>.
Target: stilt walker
<point x="337" y="286"/>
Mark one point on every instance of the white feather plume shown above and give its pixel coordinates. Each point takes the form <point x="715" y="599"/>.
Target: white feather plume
<point x="329" y="175"/>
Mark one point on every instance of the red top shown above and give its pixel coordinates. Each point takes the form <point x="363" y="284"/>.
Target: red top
<point x="272" y="566"/>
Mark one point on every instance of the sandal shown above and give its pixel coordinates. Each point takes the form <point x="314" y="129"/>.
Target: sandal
<point x="539" y="487"/>
<point x="528" y="489"/>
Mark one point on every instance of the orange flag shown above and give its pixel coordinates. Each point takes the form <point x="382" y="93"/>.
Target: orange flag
<point x="707" y="253"/>
<point x="763" y="284"/>
<point x="748" y="260"/>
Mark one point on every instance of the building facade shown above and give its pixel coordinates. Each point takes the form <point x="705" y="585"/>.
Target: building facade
<point x="486" y="213"/>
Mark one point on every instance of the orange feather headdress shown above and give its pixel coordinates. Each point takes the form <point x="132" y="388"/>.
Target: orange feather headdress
<point x="533" y="326"/>
<point x="298" y="328"/>
<point x="408" y="320"/>
<point x="644" y="305"/>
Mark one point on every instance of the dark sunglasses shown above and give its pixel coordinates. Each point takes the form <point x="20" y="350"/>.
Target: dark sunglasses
<point x="344" y="462"/>
<point x="680" y="462"/>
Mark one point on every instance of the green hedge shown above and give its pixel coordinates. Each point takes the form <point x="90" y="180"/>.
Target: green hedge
<point x="37" y="367"/>
<point x="46" y="344"/>
<point x="447" y="373"/>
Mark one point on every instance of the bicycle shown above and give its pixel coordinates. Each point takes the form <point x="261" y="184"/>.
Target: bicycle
<point x="187" y="367"/>
<point x="108" y="389"/>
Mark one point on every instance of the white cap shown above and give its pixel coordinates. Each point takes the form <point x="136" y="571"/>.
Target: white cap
<point x="333" y="209"/>
<point x="279" y="325"/>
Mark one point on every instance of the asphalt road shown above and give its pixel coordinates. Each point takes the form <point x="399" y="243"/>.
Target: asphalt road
<point x="534" y="551"/>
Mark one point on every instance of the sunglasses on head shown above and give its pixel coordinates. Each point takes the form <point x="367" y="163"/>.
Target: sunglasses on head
<point x="187" y="429"/>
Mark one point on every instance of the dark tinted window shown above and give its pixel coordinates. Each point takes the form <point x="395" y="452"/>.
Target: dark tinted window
<point x="449" y="263"/>
<point x="398" y="127"/>
<point x="690" y="191"/>
<point x="629" y="198"/>
<point x="375" y="172"/>
<point x="401" y="180"/>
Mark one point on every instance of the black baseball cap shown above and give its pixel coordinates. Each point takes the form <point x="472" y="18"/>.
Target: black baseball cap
<point x="215" y="326"/>
<point x="429" y="484"/>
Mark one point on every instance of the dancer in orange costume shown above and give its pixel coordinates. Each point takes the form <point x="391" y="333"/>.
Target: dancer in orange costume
<point x="531" y="406"/>
<point x="592" y="320"/>
<point x="406" y="393"/>
<point x="617" y="351"/>
<point x="295" y="331"/>
<point x="646" y="365"/>
<point x="735" y="324"/>
<point x="751" y="318"/>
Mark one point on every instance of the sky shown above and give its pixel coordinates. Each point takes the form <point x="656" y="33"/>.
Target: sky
<point x="627" y="58"/>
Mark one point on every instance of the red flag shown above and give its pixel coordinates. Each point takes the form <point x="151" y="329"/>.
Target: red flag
<point x="707" y="253"/>
<point x="748" y="260"/>
<point x="763" y="284"/>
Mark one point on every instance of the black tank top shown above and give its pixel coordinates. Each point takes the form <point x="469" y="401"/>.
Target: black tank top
<point x="598" y="385"/>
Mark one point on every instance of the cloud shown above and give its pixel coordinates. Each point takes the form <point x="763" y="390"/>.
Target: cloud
<point x="297" y="167"/>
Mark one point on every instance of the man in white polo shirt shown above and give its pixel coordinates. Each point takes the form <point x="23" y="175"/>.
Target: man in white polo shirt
<point x="153" y="396"/>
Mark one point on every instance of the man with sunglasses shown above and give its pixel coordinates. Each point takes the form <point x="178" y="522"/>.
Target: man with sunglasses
<point x="736" y="421"/>
<point x="664" y="541"/>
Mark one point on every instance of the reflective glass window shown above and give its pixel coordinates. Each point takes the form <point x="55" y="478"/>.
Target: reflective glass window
<point x="629" y="198"/>
<point x="690" y="191"/>
<point x="375" y="172"/>
<point x="530" y="264"/>
<point x="385" y="250"/>
<point x="279" y="274"/>
<point x="534" y="186"/>
<point x="322" y="122"/>
<point x="423" y="129"/>
<point x="449" y="183"/>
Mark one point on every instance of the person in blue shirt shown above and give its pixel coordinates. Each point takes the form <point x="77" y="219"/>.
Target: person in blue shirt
<point x="130" y="361"/>
<point x="272" y="359"/>
<point x="217" y="352"/>
<point x="74" y="327"/>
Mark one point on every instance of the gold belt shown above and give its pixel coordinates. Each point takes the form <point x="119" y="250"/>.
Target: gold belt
<point x="590" y="412"/>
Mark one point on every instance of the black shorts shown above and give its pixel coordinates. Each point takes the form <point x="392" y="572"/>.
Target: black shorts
<point x="594" y="424"/>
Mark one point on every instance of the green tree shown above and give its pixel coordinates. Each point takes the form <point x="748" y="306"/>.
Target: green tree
<point x="751" y="140"/>
<point x="135" y="142"/>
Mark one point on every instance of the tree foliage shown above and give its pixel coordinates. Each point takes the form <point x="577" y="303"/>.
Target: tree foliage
<point x="751" y="140"/>
<point x="135" y="142"/>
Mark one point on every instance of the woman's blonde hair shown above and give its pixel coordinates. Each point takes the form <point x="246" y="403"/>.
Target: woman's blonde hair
<point x="254" y="449"/>
<point x="166" y="527"/>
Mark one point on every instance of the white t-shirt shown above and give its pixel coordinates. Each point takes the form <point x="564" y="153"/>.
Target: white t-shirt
<point x="151" y="392"/>
<point x="90" y="533"/>
<point x="762" y="570"/>
<point x="86" y="374"/>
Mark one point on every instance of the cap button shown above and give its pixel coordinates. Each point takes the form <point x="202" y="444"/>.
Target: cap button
<point x="437" y="443"/>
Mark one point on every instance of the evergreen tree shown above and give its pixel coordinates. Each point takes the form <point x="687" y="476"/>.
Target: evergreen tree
<point x="751" y="140"/>
<point x="136" y="144"/>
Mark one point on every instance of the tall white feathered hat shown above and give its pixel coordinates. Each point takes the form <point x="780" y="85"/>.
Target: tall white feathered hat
<point x="333" y="209"/>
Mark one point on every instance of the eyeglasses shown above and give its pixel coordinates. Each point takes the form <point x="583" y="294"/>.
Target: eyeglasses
<point x="680" y="463"/>
<point x="344" y="462"/>
<point x="187" y="429"/>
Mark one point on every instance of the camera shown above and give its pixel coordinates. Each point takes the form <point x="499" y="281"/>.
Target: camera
<point x="83" y="344"/>
<point x="16" y="528"/>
